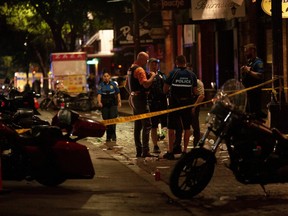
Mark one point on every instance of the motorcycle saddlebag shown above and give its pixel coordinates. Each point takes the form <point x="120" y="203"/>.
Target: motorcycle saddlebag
<point x="84" y="127"/>
<point x="74" y="160"/>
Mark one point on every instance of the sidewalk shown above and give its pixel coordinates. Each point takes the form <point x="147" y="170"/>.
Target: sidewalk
<point x="115" y="190"/>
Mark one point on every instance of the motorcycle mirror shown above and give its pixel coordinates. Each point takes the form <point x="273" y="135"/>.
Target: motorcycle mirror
<point x="213" y="85"/>
<point x="37" y="95"/>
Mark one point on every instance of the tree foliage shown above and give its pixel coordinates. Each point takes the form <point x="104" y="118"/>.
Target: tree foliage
<point x="35" y="28"/>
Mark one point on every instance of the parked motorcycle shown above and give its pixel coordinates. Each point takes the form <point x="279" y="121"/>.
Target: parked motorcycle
<point x="81" y="102"/>
<point x="43" y="153"/>
<point x="257" y="154"/>
<point x="22" y="118"/>
<point x="12" y="100"/>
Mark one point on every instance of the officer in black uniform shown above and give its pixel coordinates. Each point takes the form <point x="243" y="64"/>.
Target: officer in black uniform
<point x="181" y="84"/>
<point x="157" y="101"/>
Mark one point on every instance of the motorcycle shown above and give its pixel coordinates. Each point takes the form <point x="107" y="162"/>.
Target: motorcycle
<point x="45" y="154"/>
<point x="257" y="154"/>
<point x="81" y="102"/>
<point x="11" y="100"/>
<point x="22" y="118"/>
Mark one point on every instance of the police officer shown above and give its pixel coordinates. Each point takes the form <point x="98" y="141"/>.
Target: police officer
<point x="157" y="101"/>
<point x="252" y="75"/>
<point x="181" y="84"/>
<point x="109" y="100"/>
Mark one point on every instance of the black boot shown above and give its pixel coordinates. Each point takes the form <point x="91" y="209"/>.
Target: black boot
<point x="139" y="152"/>
<point x="146" y="153"/>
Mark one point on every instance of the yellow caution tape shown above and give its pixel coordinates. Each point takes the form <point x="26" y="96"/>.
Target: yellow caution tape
<point x="148" y="115"/>
<point x="22" y="130"/>
<point x="253" y="87"/>
<point x="156" y="113"/>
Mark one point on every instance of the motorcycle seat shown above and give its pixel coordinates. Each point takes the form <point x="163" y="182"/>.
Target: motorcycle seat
<point x="23" y="113"/>
<point x="41" y="135"/>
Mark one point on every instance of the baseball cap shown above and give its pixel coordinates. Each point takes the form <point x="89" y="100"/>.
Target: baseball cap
<point x="250" y="46"/>
<point x="153" y="60"/>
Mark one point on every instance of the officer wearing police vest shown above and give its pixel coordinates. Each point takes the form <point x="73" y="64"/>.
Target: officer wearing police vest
<point x="181" y="85"/>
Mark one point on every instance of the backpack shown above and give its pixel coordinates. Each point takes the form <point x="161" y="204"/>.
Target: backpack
<point x="127" y="85"/>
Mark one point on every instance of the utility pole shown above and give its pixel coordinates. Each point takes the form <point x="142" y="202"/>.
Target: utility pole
<point x="278" y="106"/>
<point x="136" y="36"/>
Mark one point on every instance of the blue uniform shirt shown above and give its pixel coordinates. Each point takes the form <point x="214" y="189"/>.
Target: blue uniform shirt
<point x="108" y="93"/>
<point x="108" y="88"/>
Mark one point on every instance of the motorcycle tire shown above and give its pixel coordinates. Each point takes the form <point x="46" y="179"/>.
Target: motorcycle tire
<point x="85" y="105"/>
<point x="50" y="175"/>
<point x="51" y="181"/>
<point x="192" y="173"/>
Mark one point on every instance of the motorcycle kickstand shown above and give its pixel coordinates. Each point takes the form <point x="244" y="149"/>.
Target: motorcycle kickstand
<point x="265" y="192"/>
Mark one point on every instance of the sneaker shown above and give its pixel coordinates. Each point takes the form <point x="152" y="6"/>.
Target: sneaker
<point x="156" y="149"/>
<point x="168" y="156"/>
<point x="177" y="149"/>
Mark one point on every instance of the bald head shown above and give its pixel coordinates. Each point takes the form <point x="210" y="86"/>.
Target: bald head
<point x="142" y="58"/>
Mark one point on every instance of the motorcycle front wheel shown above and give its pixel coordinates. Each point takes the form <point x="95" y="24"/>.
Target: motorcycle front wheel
<point x="192" y="173"/>
<point x="44" y="103"/>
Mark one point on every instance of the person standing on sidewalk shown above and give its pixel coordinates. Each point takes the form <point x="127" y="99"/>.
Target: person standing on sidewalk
<point x="196" y="110"/>
<point x="157" y="101"/>
<point x="252" y="75"/>
<point x="181" y="84"/>
<point x="108" y="98"/>
<point x="138" y="83"/>
<point x="195" y="117"/>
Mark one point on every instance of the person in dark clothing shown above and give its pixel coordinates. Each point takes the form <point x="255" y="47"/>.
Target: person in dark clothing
<point x="108" y="98"/>
<point x="157" y="101"/>
<point x="181" y="84"/>
<point x="177" y="149"/>
<point x="91" y="81"/>
<point x="252" y="75"/>
<point x="138" y="84"/>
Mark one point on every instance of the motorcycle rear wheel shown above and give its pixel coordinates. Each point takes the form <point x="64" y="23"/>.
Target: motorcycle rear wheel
<point x="50" y="176"/>
<point x="192" y="173"/>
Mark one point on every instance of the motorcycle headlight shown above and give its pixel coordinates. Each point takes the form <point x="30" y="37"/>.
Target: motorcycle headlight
<point x="213" y="122"/>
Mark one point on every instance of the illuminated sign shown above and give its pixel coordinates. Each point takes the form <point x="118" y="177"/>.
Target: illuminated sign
<point x="217" y="9"/>
<point x="267" y="8"/>
<point x="169" y="4"/>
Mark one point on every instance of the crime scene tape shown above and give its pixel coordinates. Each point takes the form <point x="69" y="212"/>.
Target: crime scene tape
<point x="156" y="113"/>
<point x="22" y="130"/>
